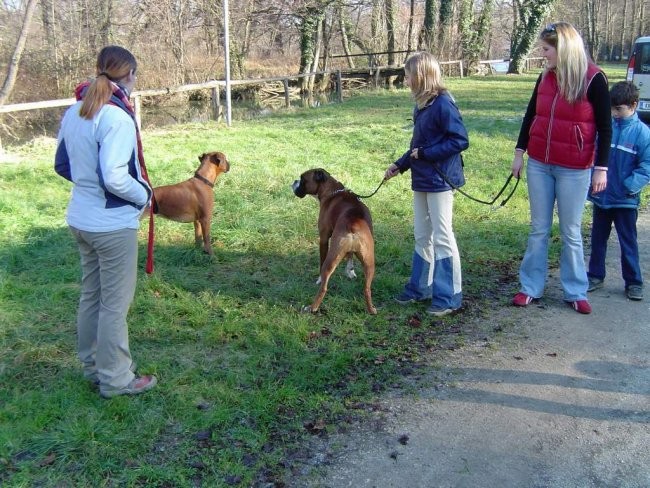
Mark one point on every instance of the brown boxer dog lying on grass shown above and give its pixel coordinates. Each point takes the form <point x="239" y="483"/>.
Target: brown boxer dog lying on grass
<point x="192" y="200"/>
<point x="345" y="230"/>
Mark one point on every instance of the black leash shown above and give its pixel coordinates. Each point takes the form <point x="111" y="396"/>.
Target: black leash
<point x="459" y="190"/>
<point x="491" y="202"/>
<point x="368" y="196"/>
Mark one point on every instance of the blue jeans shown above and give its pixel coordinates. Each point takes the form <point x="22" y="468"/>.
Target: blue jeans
<point x="624" y="220"/>
<point x="548" y="183"/>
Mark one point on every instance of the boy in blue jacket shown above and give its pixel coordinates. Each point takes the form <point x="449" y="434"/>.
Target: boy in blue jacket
<point x="628" y="173"/>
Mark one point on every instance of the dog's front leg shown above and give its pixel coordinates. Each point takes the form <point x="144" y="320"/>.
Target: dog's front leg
<point x="205" y="225"/>
<point x="198" y="233"/>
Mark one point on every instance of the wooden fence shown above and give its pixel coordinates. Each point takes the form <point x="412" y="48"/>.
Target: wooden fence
<point x="371" y="75"/>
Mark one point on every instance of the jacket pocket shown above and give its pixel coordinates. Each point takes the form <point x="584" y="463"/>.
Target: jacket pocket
<point x="580" y="142"/>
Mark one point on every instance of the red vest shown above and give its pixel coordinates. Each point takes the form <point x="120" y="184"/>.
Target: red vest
<point x="563" y="133"/>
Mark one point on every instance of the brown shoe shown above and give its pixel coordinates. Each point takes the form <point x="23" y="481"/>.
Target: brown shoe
<point x="95" y="380"/>
<point x="139" y="384"/>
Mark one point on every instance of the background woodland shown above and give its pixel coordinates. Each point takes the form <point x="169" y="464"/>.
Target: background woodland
<point x="47" y="46"/>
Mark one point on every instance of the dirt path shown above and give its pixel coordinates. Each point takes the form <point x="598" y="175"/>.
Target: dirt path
<point x="563" y="400"/>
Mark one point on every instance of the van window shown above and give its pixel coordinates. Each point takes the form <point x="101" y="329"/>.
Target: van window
<point x="643" y="59"/>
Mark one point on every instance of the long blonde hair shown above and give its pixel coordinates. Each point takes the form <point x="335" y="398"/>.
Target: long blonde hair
<point x="423" y="70"/>
<point x="572" y="61"/>
<point x="113" y="64"/>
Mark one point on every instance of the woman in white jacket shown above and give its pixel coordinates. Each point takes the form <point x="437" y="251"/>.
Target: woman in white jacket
<point x="99" y="151"/>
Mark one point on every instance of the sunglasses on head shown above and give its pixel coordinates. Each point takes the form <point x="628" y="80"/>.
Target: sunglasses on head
<point x="549" y="28"/>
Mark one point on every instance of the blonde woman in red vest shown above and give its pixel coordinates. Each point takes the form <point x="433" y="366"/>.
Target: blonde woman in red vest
<point x="566" y="131"/>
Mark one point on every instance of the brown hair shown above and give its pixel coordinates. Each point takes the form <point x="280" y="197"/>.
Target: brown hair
<point x="624" y="93"/>
<point x="113" y="64"/>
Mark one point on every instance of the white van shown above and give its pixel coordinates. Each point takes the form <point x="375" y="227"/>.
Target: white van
<point x="638" y="72"/>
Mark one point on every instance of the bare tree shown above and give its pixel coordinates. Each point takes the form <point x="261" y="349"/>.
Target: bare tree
<point x="623" y="28"/>
<point x="389" y="13"/>
<point x="427" y="38"/>
<point x="409" y="31"/>
<point x="14" y="63"/>
<point x="592" y="35"/>
<point x="345" y="28"/>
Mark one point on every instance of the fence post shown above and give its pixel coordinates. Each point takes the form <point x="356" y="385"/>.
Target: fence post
<point x="138" y="111"/>
<point x="377" y="77"/>
<point x="460" y="66"/>
<point x="285" y="82"/>
<point x="339" y="86"/>
<point x="216" y="103"/>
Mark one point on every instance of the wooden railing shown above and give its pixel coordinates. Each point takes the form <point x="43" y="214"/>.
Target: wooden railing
<point x="215" y="86"/>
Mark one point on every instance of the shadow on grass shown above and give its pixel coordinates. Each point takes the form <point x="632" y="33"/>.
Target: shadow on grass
<point x="243" y="372"/>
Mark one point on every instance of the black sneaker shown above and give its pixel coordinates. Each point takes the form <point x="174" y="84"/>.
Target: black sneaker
<point x="595" y="284"/>
<point x="635" y="292"/>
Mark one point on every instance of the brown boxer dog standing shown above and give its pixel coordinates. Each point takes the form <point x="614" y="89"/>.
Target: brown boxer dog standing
<point x="345" y="230"/>
<point x="192" y="200"/>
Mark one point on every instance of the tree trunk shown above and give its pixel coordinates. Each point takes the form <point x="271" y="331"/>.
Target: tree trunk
<point x="318" y="43"/>
<point x="427" y="39"/>
<point x="345" y="39"/>
<point x="527" y="21"/>
<point x="409" y="31"/>
<point x="376" y="31"/>
<point x="445" y="21"/>
<point x="308" y="34"/>
<point x="623" y="29"/>
<point x="51" y="39"/>
<point x="12" y="68"/>
<point x="389" y="8"/>
<point x="592" y="41"/>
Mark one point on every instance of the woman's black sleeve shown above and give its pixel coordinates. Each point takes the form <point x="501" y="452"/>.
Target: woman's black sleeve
<point x="598" y="96"/>
<point x="522" y="141"/>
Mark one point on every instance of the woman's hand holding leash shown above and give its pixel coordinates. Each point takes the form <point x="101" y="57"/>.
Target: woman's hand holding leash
<point x="392" y="170"/>
<point x="518" y="163"/>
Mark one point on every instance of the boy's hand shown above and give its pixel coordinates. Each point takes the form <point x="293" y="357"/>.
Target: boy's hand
<point x="598" y="181"/>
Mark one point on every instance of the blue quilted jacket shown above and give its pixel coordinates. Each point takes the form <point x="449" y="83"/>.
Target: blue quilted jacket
<point x="440" y="135"/>
<point x="629" y="165"/>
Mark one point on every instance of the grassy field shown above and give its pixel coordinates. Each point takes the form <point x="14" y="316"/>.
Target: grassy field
<point x="244" y="377"/>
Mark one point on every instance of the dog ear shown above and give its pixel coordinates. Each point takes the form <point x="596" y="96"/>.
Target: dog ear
<point x="320" y="175"/>
<point x="216" y="158"/>
<point x="201" y="157"/>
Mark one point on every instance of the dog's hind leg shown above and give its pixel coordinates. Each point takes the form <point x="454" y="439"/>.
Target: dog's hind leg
<point x="331" y="262"/>
<point x="367" y="257"/>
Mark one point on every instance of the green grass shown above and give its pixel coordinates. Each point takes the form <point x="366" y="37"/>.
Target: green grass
<point x="241" y="370"/>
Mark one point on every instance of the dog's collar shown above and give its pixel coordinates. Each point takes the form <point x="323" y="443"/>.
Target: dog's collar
<point x="338" y="191"/>
<point x="203" y="179"/>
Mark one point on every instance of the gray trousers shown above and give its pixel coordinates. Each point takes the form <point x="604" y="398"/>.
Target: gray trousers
<point x="109" y="274"/>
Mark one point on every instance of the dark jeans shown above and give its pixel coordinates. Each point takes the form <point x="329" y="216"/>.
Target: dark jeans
<point x="624" y="220"/>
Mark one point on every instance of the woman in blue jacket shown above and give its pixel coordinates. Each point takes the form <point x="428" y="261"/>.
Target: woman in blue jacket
<point x="434" y="158"/>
